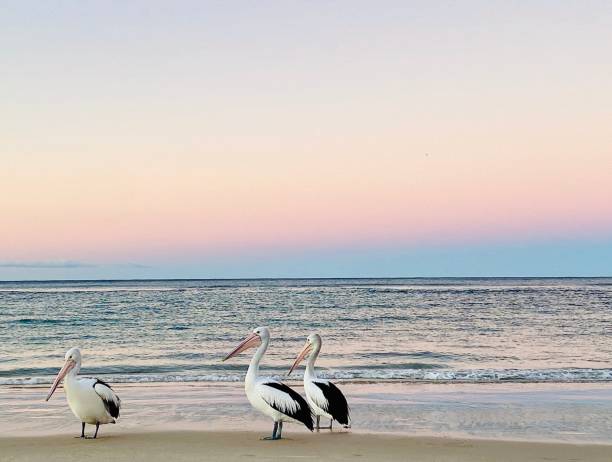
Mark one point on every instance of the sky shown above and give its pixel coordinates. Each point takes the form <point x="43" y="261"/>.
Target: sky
<point x="305" y="139"/>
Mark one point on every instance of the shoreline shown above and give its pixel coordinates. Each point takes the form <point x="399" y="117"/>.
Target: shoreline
<point x="291" y="432"/>
<point x="362" y="381"/>
<point x="348" y="382"/>
<point x="574" y="413"/>
<point x="131" y="446"/>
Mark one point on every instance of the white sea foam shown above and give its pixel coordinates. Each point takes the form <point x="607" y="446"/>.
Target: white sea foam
<point x="407" y="375"/>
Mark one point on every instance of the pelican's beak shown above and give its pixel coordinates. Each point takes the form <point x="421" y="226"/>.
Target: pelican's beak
<point x="251" y="341"/>
<point x="68" y="365"/>
<point x="307" y="349"/>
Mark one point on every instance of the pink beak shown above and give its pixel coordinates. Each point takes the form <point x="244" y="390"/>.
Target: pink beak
<point x="251" y="341"/>
<point x="60" y="376"/>
<point x="307" y="348"/>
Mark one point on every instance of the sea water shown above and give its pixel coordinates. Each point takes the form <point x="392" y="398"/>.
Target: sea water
<point x="413" y="330"/>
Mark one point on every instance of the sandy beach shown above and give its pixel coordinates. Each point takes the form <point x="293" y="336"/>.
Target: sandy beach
<point x="393" y="421"/>
<point x="234" y="446"/>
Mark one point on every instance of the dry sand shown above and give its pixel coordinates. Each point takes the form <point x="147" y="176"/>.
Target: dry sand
<point x="229" y="446"/>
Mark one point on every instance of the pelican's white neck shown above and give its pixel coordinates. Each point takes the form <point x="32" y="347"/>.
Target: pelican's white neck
<point x="253" y="371"/>
<point x="310" y="373"/>
<point x="71" y="376"/>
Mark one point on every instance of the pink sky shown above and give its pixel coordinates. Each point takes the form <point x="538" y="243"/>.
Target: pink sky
<point x="407" y="127"/>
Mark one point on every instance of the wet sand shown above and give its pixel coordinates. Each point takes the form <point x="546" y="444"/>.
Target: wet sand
<point x="238" y="446"/>
<point x="564" y="413"/>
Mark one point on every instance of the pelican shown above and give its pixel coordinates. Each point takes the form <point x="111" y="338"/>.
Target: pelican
<point x="91" y="400"/>
<point x="273" y="398"/>
<point x="324" y="398"/>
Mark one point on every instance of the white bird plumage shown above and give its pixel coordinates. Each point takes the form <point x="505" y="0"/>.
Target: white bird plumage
<point x="91" y="400"/>
<point x="325" y="399"/>
<point x="271" y="397"/>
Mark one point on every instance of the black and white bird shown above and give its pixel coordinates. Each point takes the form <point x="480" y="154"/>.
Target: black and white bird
<point x="91" y="400"/>
<point x="273" y="398"/>
<point x="325" y="398"/>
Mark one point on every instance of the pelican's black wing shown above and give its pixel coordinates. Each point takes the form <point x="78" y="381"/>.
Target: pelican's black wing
<point x="287" y="401"/>
<point x="111" y="401"/>
<point x="337" y="406"/>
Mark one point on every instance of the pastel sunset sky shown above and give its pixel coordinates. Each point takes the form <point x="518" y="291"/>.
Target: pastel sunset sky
<point x="305" y="139"/>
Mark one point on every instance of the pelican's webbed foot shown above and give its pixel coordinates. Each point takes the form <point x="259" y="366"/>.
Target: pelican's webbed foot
<point x="276" y="432"/>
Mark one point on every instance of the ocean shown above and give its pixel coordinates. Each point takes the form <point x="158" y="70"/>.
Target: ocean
<point x="413" y="330"/>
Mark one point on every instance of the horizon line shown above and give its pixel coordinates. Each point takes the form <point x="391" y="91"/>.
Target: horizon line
<point x="298" y="278"/>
